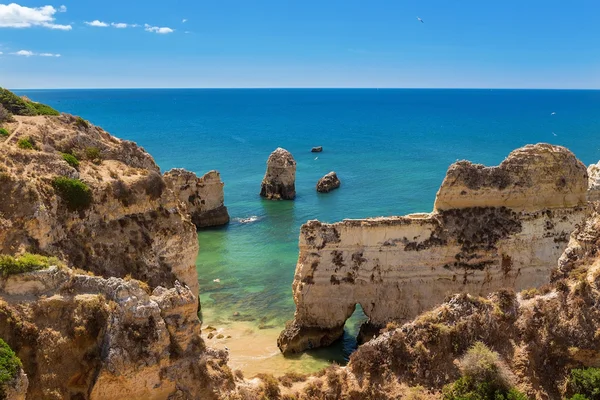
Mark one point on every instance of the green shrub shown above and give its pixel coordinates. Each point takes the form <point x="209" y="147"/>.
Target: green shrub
<point x="466" y="388"/>
<point x="74" y="192"/>
<point x="16" y="105"/>
<point x="25" y="263"/>
<point x="483" y="377"/>
<point x="25" y="144"/>
<point x="93" y="154"/>
<point x="82" y="123"/>
<point x="9" y="363"/>
<point x="4" y="132"/>
<point x="71" y="160"/>
<point x="43" y="109"/>
<point x="584" y="384"/>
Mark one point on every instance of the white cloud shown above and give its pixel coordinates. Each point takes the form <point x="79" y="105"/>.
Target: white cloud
<point x="27" y="53"/>
<point x="24" y="53"/>
<point x="156" y="29"/>
<point x="123" y="25"/>
<point x="183" y="21"/>
<point x="16" y="16"/>
<point x="97" y="23"/>
<point x="62" y="9"/>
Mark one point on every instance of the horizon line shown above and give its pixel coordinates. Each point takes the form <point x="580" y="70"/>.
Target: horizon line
<point x="300" y="88"/>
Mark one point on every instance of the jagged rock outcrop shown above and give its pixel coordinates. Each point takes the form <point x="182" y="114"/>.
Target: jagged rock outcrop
<point x="594" y="182"/>
<point x="329" y="182"/>
<point x="203" y="197"/>
<point x="492" y="227"/>
<point x="279" y="182"/>
<point x="126" y="223"/>
<point x="88" y="337"/>
<point x="317" y="149"/>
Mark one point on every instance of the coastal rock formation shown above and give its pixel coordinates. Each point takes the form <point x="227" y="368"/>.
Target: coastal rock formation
<point x="594" y="182"/>
<point x="328" y="183"/>
<point x="72" y="190"/>
<point x="492" y="227"/>
<point x="279" y="182"/>
<point x="317" y="149"/>
<point x="203" y="197"/>
<point x="87" y="337"/>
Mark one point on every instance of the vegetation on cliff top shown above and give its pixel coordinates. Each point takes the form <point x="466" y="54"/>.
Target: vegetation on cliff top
<point x="27" y="262"/>
<point x="4" y="132"/>
<point x="18" y="106"/>
<point x="74" y="192"/>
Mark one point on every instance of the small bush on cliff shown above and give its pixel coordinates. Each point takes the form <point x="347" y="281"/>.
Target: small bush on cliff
<point x="4" y="132"/>
<point x="9" y="364"/>
<point x="484" y="377"/>
<point x="74" y="192"/>
<point x="5" y="115"/>
<point x="71" y="160"/>
<point x="25" y="144"/>
<point x="82" y="123"/>
<point x="584" y="384"/>
<point x="93" y="154"/>
<point x="25" y="263"/>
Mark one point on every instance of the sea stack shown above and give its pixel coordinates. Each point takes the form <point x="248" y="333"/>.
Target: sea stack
<point x="328" y="183"/>
<point x="203" y="197"/>
<point x="279" y="182"/>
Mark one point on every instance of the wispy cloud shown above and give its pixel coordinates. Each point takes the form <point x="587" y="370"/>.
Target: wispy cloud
<point x="16" y="16"/>
<point x="97" y="23"/>
<point x="156" y="29"/>
<point x="28" y="53"/>
<point x="183" y="21"/>
<point x="62" y="9"/>
<point x="122" y="25"/>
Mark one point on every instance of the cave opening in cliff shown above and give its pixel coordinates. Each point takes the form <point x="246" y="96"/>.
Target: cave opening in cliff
<point x="352" y="329"/>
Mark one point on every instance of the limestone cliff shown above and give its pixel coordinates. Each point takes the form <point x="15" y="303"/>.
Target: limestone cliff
<point x="279" y="182"/>
<point x="594" y="182"/>
<point x="202" y="197"/>
<point x="71" y="190"/>
<point x="87" y="337"/>
<point x="492" y="228"/>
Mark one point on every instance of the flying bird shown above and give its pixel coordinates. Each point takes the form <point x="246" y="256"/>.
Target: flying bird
<point x="420" y="20"/>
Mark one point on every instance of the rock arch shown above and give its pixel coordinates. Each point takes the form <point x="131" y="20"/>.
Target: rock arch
<point x="491" y="228"/>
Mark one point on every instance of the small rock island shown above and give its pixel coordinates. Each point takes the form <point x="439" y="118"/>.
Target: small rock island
<point x="328" y="183"/>
<point x="279" y="182"/>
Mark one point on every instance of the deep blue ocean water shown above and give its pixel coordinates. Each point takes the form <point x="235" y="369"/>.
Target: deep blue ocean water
<point x="390" y="148"/>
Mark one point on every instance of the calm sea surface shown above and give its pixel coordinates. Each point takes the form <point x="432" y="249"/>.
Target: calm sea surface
<point x="390" y="148"/>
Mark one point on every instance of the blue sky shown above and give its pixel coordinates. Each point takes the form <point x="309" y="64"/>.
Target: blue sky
<point x="308" y="43"/>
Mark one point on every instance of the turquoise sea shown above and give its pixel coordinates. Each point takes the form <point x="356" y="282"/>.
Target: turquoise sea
<point x="390" y="148"/>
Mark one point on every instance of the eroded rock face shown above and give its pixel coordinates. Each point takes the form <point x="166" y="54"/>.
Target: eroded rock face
<point x="88" y="337"/>
<point x="203" y="197"/>
<point x="328" y="183"/>
<point x="594" y="182"/>
<point x="491" y="229"/>
<point x="279" y="182"/>
<point x="134" y="226"/>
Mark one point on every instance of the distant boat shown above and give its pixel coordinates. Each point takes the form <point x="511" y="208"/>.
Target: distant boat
<point x="552" y="113"/>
